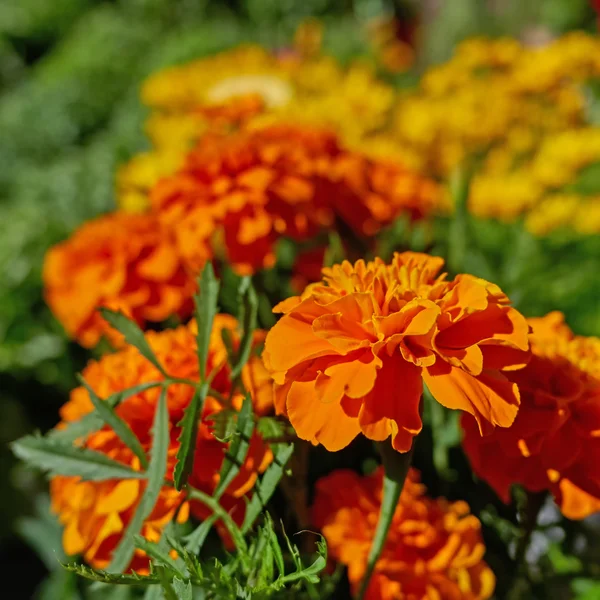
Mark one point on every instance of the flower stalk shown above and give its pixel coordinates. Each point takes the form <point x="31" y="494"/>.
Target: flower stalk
<point x="396" y="465"/>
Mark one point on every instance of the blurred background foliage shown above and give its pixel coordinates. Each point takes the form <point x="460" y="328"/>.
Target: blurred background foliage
<point x="70" y="72"/>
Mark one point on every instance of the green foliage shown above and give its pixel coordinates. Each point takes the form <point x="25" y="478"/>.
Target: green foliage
<point x="59" y="458"/>
<point x="156" y="475"/>
<point x="187" y="437"/>
<point x="111" y="418"/>
<point x="206" y="309"/>
<point x="133" y="335"/>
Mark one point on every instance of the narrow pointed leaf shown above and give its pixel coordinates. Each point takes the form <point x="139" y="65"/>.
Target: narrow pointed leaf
<point x="93" y="421"/>
<point x="133" y="335"/>
<point x="156" y="474"/>
<point x="206" y="309"/>
<point x="238" y="449"/>
<point x="120" y="427"/>
<point x="158" y="554"/>
<point x="58" y="458"/>
<point x="265" y="488"/>
<point x="187" y="437"/>
<point x="112" y="578"/>
<point x="195" y="540"/>
<point x="248" y="303"/>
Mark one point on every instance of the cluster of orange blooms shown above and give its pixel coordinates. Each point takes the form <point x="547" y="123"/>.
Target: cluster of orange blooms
<point x="234" y="169"/>
<point x="434" y="548"/>
<point x="96" y="513"/>
<point x="350" y="354"/>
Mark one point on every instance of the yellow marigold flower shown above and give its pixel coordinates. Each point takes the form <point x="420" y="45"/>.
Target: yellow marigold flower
<point x="119" y="261"/>
<point x="554" y="443"/>
<point x="471" y="104"/>
<point x="434" y="549"/>
<point x="280" y="180"/>
<point x="552" y="213"/>
<point x="96" y="513"/>
<point x="346" y="346"/>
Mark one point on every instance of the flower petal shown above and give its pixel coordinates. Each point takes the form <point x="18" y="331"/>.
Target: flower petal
<point x="317" y="421"/>
<point x="490" y="398"/>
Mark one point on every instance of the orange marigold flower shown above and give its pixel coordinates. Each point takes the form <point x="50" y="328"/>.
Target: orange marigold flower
<point x="351" y="353"/>
<point x="279" y="180"/>
<point x="96" y="513"/>
<point x="119" y="261"/>
<point x="434" y="549"/>
<point x="554" y="443"/>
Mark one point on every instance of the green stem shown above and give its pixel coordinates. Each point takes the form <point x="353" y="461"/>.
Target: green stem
<point x="395" y="465"/>
<point x="234" y="530"/>
<point x="457" y="234"/>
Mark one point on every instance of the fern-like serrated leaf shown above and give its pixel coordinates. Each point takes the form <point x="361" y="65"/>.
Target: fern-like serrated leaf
<point x="248" y="313"/>
<point x="158" y="554"/>
<point x="93" y="421"/>
<point x="120" y="427"/>
<point x="206" y="309"/>
<point x="156" y="474"/>
<point x="58" y="458"/>
<point x="265" y="488"/>
<point x="112" y="578"/>
<point x="133" y="335"/>
<point x="187" y="437"/>
<point x="183" y="589"/>
<point x="238" y="449"/>
<point x="195" y="540"/>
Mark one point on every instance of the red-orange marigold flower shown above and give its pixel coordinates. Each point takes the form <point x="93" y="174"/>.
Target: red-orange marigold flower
<point x="351" y="353"/>
<point x="96" y="513"/>
<point x="554" y="443"/>
<point x="119" y="261"/>
<point x="280" y="180"/>
<point x="434" y="549"/>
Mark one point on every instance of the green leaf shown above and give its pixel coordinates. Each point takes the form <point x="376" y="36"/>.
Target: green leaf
<point x="248" y="303"/>
<point x="187" y="437"/>
<point x="93" y="421"/>
<point x="154" y="592"/>
<point x="43" y="533"/>
<point x="158" y="554"/>
<point x="562" y="563"/>
<point x="265" y="488"/>
<point x="206" y="309"/>
<point x="112" y="578"/>
<point x="190" y="559"/>
<point x="223" y="424"/>
<point x="58" y="458"/>
<point x="195" y="540"/>
<point x="223" y="515"/>
<point x="133" y="335"/>
<point x="156" y="474"/>
<point x="274" y="543"/>
<point x="238" y="449"/>
<point x="120" y="427"/>
<point x="335" y="252"/>
<point x="182" y="589"/>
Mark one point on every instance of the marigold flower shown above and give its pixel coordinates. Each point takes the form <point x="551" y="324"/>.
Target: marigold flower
<point x="119" y="261"/>
<point x="280" y="180"/>
<point x="434" y="549"/>
<point x="96" y="513"/>
<point x="554" y="443"/>
<point x="351" y="353"/>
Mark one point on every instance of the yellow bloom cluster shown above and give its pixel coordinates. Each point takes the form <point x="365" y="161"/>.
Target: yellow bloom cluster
<point x="250" y="86"/>
<point x="518" y="115"/>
